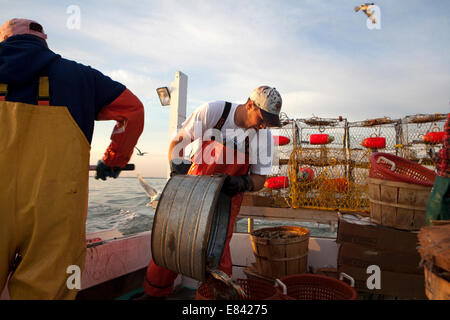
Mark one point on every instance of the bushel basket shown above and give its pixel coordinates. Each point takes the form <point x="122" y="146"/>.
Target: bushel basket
<point x="399" y="191"/>
<point x="387" y="166"/>
<point x="280" y="251"/>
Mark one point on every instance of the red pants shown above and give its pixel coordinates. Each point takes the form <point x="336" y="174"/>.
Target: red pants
<point x="159" y="281"/>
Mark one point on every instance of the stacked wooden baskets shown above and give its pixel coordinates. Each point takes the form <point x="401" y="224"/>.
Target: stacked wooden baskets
<point x="399" y="190"/>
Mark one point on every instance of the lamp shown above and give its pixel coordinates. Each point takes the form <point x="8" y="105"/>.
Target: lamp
<point x="164" y="96"/>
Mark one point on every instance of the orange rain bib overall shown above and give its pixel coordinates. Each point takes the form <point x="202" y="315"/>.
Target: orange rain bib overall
<point x="159" y="281"/>
<point x="44" y="162"/>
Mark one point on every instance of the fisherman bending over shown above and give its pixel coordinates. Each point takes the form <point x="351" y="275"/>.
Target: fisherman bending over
<point x="246" y="167"/>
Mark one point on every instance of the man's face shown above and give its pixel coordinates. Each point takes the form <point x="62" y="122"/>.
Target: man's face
<point x="255" y="119"/>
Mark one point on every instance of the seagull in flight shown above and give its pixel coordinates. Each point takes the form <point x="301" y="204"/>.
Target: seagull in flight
<point x="151" y="192"/>
<point x="365" y="8"/>
<point x="139" y="152"/>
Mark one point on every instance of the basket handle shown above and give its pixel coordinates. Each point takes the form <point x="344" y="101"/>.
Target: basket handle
<point x="392" y="163"/>
<point x="278" y="282"/>
<point x="435" y="129"/>
<point x="343" y="275"/>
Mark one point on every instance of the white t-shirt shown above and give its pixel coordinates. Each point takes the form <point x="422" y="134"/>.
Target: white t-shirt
<point x="201" y="122"/>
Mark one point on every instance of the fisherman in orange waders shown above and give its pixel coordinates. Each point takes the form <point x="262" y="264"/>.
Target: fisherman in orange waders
<point x="47" y="110"/>
<point x="246" y="171"/>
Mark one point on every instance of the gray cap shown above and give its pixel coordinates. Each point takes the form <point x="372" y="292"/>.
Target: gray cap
<point x="268" y="99"/>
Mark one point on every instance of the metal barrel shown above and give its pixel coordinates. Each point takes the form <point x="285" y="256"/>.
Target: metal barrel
<point x="190" y="225"/>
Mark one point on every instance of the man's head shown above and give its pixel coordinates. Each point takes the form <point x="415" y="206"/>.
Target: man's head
<point x="265" y="106"/>
<point x="21" y="26"/>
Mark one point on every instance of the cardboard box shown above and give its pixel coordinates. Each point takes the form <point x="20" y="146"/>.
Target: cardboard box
<point x="401" y="285"/>
<point x="360" y="231"/>
<point x="363" y="243"/>
<point x="395" y="261"/>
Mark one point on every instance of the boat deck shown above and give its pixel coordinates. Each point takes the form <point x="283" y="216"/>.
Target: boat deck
<point x="180" y="293"/>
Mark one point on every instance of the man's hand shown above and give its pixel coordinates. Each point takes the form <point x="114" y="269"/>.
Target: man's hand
<point x="104" y="171"/>
<point x="233" y="185"/>
<point x="179" y="166"/>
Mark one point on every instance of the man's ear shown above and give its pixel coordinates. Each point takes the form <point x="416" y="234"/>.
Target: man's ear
<point x="250" y="105"/>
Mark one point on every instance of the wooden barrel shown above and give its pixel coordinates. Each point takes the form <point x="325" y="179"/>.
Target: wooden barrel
<point x="436" y="286"/>
<point x="435" y="251"/>
<point x="280" y="251"/>
<point x="398" y="204"/>
<point x="190" y="225"/>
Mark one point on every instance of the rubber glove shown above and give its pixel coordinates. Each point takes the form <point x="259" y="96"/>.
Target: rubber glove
<point x="104" y="171"/>
<point x="235" y="184"/>
<point x="179" y="166"/>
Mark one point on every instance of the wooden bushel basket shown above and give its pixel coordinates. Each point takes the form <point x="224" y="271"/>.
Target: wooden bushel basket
<point x="398" y="204"/>
<point x="278" y="257"/>
<point x="435" y="251"/>
<point x="436" y="287"/>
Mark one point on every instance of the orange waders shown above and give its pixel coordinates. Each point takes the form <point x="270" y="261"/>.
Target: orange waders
<point x="159" y="281"/>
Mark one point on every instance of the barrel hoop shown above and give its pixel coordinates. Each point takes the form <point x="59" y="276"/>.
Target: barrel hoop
<point x="282" y="259"/>
<point x="265" y="241"/>
<point x="397" y="205"/>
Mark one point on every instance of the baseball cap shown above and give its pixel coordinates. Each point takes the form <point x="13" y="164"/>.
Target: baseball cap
<point x="269" y="101"/>
<point x="21" y="26"/>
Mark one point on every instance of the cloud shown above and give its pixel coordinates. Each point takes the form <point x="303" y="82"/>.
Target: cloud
<point x="319" y="54"/>
<point x="142" y="85"/>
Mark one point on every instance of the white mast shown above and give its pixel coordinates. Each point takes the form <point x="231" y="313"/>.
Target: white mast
<point x="178" y="101"/>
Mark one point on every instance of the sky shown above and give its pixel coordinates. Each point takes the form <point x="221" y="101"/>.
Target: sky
<point x="320" y="55"/>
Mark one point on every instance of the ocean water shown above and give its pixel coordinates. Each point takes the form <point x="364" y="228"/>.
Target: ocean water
<point x="121" y="204"/>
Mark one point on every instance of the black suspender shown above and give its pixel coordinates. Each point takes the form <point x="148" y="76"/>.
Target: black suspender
<point x="221" y="122"/>
<point x="224" y="116"/>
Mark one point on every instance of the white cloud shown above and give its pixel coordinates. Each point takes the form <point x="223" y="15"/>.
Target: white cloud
<point x="141" y="85"/>
<point x="319" y="54"/>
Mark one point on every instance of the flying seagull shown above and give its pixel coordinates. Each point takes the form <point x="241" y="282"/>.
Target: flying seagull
<point x="365" y="8"/>
<point x="139" y="152"/>
<point x="151" y="192"/>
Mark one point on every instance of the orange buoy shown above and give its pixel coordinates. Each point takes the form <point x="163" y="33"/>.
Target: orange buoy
<point x="335" y="185"/>
<point x="374" y="142"/>
<point x="277" y="182"/>
<point x="434" y="137"/>
<point x="305" y="174"/>
<point x="320" y="139"/>
<point x="281" y="140"/>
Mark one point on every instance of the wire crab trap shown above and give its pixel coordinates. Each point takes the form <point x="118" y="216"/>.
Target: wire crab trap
<point x="319" y="167"/>
<point x="325" y="165"/>
<point x="422" y="137"/>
